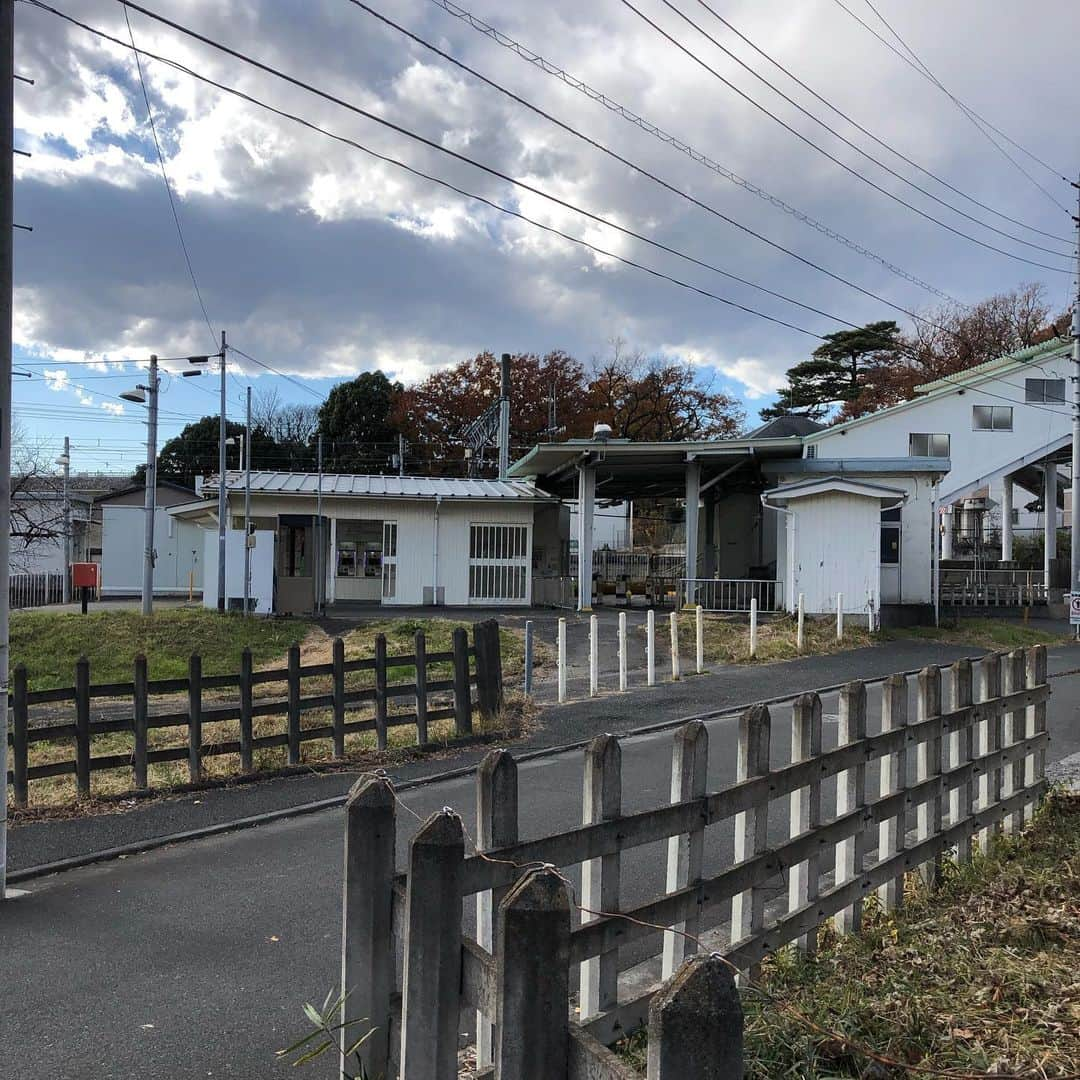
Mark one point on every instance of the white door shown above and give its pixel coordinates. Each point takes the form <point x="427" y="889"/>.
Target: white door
<point x="389" y="560"/>
<point x="498" y="563"/>
<point x="891" y="532"/>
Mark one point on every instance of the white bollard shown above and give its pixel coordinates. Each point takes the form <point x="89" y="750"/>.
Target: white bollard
<point x="839" y="616"/>
<point x="650" y="646"/>
<point x="594" y="656"/>
<point x="676" y="669"/>
<point x="700" y="614"/>
<point x="799" y="637"/>
<point x="622" y="650"/>
<point x="562" y="661"/>
<point x="753" y="627"/>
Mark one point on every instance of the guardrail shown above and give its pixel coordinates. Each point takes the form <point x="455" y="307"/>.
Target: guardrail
<point x="732" y="594"/>
<point x="433" y="700"/>
<point x="979" y="768"/>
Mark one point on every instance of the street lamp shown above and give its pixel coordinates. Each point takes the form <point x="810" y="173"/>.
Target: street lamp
<point x="237" y="440"/>
<point x="222" y="501"/>
<point x="148" y="394"/>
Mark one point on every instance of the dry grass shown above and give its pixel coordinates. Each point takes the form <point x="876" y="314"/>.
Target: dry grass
<point x="316" y="648"/>
<point x="994" y="634"/>
<point x="727" y="638"/>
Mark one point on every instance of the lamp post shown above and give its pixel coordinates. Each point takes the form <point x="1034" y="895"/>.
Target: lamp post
<point x="147" y="393"/>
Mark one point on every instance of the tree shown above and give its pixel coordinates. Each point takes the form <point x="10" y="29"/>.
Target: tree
<point x="356" y="421"/>
<point x="836" y="372"/>
<point x="291" y="426"/>
<point x="434" y="413"/>
<point x="658" y="400"/>
<point x="37" y="509"/>
<point x="194" y="452"/>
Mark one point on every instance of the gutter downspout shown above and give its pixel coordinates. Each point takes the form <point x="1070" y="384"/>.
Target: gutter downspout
<point x="935" y="554"/>
<point x="435" y="556"/>
<point x="793" y="518"/>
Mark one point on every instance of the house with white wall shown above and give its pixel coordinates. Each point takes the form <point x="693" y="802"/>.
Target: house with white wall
<point x="341" y="541"/>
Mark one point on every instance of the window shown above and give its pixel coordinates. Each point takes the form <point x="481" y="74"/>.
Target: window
<point x="992" y="417"/>
<point x="811" y="451"/>
<point x="921" y="444"/>
<point x="1041" y="391"/>
<point x="890" y="537"/>
<point x="498" y="562"/>
<point x="389" y="560"/>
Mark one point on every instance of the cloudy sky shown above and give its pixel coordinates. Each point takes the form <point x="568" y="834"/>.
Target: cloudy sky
<point x="323" y="261"/>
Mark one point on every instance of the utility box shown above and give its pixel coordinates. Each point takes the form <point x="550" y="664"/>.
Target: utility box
<point x="85" y="575"/>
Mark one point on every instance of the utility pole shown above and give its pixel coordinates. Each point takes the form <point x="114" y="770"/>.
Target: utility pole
<point x="223" y="502"/>
<point x="7" y="227"/>
<point x="504" y="417"/>
<point x="66" y="460"/>
<point x="1074" y="531"/>
<point x="150" y="489"/>
<point x="247" y="508"/>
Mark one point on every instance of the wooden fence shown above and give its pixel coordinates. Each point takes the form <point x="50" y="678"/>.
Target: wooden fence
<point x="484" y="674"/>
<point x="906" y="796"/>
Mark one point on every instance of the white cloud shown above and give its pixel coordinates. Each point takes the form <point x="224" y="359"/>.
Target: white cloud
<point x="56" y="379"/>
<point x="116" y="408"/>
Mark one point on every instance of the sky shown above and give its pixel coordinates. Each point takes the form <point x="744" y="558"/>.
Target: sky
<point x="321" y="261"/>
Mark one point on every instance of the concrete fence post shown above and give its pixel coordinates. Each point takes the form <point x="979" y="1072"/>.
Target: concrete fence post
<point x="839" y="616"/>
<point x="622" y="652"/>
<point x="990" y="739"/>
<point x="676" y="664"/>
<point x="530" y="633"/>
<point x="804" y="882"/>
<point x="699" y="637"/>
<point x="851" y="796"/>
<point x="800" y="639"/>
<point x="82" y="725"/>
<point x="293" y="726"/>
<point x="696" y="1025"/>
<point x="140" y="720"/>
<point x="753" y="627"/>
<point x="337" y="661"/>
<point x="420" y="652"/>
<point x="685" y="853"/>
<point x="928" y="767"/>
<point x="380" y="685"/>
<point x="562" y="660"/>
<point x="751" y="826"/>
<point x="892" y="833"/>
<point x="247" y="762"/>
<point x="594" y="656"/>
<point x="961" y="752"/>
<point x="532" y="980"/>
<point x="1015" y="722"/>
<point x="496" y="826"/>
<point x="431" y="992"/>
<point x="602" y="801"/>
<point x="367" y="942"/>
<point x="20" y="748"/>
<point x="1035" y="764"/>
<point x="650" y="647"/>
<point x="489" y="685"/>
<point x="195" y="718"/>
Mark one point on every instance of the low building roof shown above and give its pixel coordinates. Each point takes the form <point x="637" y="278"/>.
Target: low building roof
<point x="827" y="485"/>
<point x="369" y="485"/>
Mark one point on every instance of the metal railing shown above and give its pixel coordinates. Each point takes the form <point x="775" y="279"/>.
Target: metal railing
<point x="611" y="565"/>
<point x="732" y="594"/>
<point x="35" y="590"/>
<point x="992" y="588"/>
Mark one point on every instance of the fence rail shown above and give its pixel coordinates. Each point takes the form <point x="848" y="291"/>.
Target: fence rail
<point x="905" y="797"/>
<point x="636" y="566"/>
<point x="732" y="594"/>
<point x="484" y="675"/>
<point x="992" y="588"/>
<point x="35" y="590"/>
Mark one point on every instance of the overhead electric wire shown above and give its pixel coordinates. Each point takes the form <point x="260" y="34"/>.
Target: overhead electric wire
<point x="168" y="185"/>
<point x="287" y="378"/>
<point x="869" y="134"/>
<point x="435" y="179"/>
<point x="842" y="164"/>
<point x="977" y="121"/>
<point x="659" y="133"/>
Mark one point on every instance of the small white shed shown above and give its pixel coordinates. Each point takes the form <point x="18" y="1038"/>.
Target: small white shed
<point x="832" y="542"/>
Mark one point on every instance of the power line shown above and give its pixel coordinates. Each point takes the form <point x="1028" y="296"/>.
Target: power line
<point x="869" y="134"/>
<point x="977" y="121"/>
<point x="842" y="164"/>
<point x="165" y="178"/>
<point x="288" y="378"/>
<point x="659" y="133"/>
<point x="483" y="200"/>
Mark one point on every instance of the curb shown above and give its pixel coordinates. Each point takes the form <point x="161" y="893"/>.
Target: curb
<point x="303" y="809"/>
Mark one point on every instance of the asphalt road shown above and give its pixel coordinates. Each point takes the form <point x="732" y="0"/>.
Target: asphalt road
<point x="194" y="960"/>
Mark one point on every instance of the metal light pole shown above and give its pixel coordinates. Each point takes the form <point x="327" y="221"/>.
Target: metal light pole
<point x="1074" y="531"/>
<point x="247" y="509"/>
<point x="148" y="393"/>
<point x="7" y="224"/>
<point x="65" y="460"/>
<point x="223" y="502"/>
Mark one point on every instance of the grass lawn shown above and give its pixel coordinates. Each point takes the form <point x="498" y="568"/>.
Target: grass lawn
<point x="995" y="634"/>
<point x="980" y="978"/>
<point x="49" y="643"/>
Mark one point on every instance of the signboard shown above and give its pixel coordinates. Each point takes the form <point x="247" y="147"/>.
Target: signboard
<point x="1074" y="609"/>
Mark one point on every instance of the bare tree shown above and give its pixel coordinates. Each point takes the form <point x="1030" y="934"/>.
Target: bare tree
<point x="284" y="422"/>
<point x="37" y="507"/>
